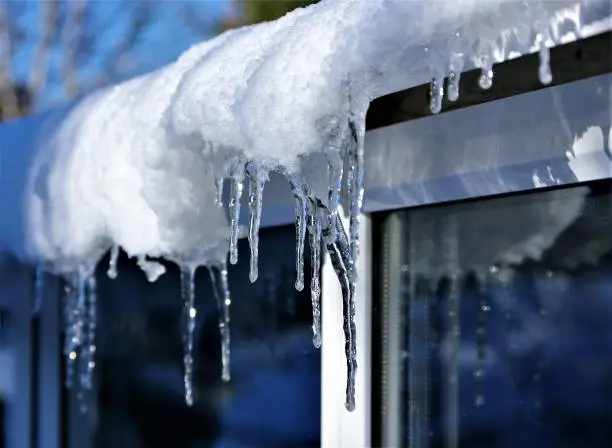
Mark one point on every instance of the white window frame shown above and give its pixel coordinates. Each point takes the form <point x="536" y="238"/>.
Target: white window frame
<point x="459" y="157"/>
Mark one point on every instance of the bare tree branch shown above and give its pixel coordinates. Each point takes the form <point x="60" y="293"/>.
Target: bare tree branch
<point x="141" y="18"/>
<point x="39" y="69"/>
<point x="72" y="35"/>
<point x="9" y="106"/>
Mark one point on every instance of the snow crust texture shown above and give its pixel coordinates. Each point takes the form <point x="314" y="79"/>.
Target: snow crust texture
<point x="141" y="165"/>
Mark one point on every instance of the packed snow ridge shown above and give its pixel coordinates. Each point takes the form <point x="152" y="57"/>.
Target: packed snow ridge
<point x="141" y="165"/>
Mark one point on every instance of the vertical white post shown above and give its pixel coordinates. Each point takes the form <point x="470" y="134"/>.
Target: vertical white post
<point x="340" y="428"/>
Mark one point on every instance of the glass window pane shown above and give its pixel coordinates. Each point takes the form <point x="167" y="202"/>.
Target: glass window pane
<point x="273" y="398"/>
<point x="504" y="328"/>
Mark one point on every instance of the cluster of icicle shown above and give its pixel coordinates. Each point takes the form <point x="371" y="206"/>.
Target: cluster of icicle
<point x="313" y="216"/>
<point x="80" y="319"/>
<point x="542" y="40"/>
<point x="317" y="217"/>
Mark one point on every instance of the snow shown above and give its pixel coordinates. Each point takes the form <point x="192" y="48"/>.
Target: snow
<point x="132" y="164"/>
<point x="137" y="165"/>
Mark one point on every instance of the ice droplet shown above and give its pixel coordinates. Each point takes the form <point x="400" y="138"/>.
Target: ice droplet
<point x="314" y="229"/>
<point x="300" y="231"/>
<point x="219" y="191"/>
<point x="436" y="94"/>
<point x="189" y="315"/>
<point x="544" y="70"/>
<point x="454" y="79"/>
<point x="256" y="186"/>
<point x="485" y="81"/>
<point x="223" y="304"/>
<point x="234" y="207"/>
<point x="112" y="262"/>
<point x="340" y="256"/>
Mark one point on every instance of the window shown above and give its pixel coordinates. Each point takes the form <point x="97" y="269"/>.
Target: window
<point x="493" y="322"/>
<point x="273" y="398"/>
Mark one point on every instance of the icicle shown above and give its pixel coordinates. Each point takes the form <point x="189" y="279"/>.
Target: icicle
<point x="314" y="229"/>
<point x="188" y="297"/>
<point x="537" y="374"/>
<point x="39" y="285"/>
<point x="223" y="305"/>
<point x="335" y="186"/>
<point x="454" y="79"/>
<point x="481" y="334"/>
<point x="152" y="269"/>
<point x="225" y="329"/>
<point x="89" y="349"/>
<point x="544" y="71"/>
<point x="485" y="81"/>
<point x="256" y="185"/>
<point x="436" y="94"/>
<point x="69" y="329"/>
<point x="112" y="262"/>
<point x="219" y="191"/>
<point x="340" y="256"/>
<point x="234" y="206"/>
<point x="454" y="335"/>
<point x="75" y="322"/>
<point x="418" y="365"/>
<point x="355" y="190"/>
<point x="300" y="230"/>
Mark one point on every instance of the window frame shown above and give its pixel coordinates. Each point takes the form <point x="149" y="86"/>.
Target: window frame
<point x="449" y="175"/>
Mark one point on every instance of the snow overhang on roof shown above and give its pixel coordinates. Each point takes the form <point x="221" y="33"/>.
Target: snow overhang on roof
<point x="140" y="164"/>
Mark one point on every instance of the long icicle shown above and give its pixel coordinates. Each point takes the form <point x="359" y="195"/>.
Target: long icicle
<point x="89" y="344"/>
<point x="481" y="339"/>
<point x="223" y="304"/>
<point x="314" y="230"/>
<point x="340" y="256"/>
<point x="70" y="316"/>
<point x="300" y="232"/>
<point x="234" y="207"/>
<point x="225" y="335"/>
<point x="188" y="297"/>
<point x="355" y="188"/>
<point x="256" y="186"/>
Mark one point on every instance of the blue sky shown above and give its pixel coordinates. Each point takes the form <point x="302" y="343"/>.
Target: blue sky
<point x="169" y="33"/>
